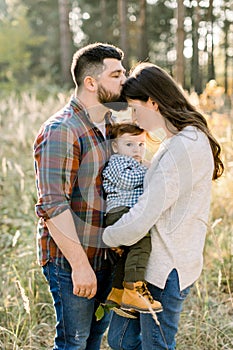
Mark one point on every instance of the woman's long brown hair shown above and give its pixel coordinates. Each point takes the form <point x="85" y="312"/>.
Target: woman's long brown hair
<point x="148" y="80"/>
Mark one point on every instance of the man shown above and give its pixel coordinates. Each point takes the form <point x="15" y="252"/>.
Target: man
<point x="70" y="152"/>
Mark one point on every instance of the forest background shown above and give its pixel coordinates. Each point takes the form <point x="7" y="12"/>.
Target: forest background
<point x="192" y="40"/>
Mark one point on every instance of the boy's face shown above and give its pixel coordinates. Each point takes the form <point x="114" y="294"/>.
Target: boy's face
<point x="131" y="145"/>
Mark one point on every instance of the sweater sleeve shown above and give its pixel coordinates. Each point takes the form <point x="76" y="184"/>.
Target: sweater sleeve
<point x="169" y="175"/>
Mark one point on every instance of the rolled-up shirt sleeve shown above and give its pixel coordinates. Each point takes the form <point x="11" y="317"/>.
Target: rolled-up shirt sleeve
<point x="56" y="155"/>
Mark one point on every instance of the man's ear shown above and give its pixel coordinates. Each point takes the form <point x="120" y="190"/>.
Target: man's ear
<point x="114" y="146"/>
<point x="153" y="104"/>
<point x="90" y="83"/>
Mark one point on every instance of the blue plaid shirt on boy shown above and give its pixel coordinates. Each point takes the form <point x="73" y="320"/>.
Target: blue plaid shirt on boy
<point x="123" y="181"/>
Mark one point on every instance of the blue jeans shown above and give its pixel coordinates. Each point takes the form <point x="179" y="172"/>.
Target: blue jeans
<point x="77" y="328"/>
<point x="143" y="333"/>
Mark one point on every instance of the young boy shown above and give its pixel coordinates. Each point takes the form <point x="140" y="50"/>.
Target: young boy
<point x="123" y="184"/>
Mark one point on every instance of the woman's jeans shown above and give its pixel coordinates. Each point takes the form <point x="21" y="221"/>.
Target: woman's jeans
<point x="144" y="333"/>
<point x="77" y="328"/>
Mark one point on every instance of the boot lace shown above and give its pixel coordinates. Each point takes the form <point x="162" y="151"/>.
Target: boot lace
<point x="143" y="290"/>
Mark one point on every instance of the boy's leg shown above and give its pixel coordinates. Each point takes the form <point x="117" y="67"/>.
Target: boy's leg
<point x="115" y="296"/>
<point x="75" y="315"/>
<point x="114" y="299"/>
<point x="136" y="295"/>
<point x="137" y="260"/>
<point x="119" y="272"/>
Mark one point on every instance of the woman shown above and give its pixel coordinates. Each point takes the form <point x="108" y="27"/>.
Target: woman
<point x="174" y="206"/>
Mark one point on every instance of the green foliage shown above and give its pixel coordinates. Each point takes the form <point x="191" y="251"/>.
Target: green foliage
<point x="16" y="41"/>
<point x="30" y="37"/>
<point x="99" y="312"/>
<point x="160" y="36"/>
<point x="43" y="18"/>
<point x="29" y="44"/>
<point x="102" y="308"/>
<point x="102" y="21"/>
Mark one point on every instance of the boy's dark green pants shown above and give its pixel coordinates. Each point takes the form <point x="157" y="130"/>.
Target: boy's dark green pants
<point x="131" y="266"/>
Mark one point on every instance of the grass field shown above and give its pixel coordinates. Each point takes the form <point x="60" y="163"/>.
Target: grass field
<point x="26" y="312"/>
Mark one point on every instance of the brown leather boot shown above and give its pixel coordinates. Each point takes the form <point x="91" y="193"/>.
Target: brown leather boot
<point x="137" y="297"/>
<point x="114" y="302"/>
<point x="114" y="297"/>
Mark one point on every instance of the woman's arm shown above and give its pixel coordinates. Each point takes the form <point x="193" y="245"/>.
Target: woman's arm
<point x="170" y="175"/>
<point x="159" y="194"/>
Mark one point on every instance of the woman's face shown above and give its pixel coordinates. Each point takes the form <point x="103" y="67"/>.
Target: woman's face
<point x="144" y="114"/>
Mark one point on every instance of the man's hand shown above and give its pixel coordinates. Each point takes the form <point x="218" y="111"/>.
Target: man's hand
<point x="84" y="281"/>
<point x="63" y="231"/>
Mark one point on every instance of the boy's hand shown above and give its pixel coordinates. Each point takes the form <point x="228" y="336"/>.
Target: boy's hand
<point x="146" y="163"/>
<point x="118" y="250"/>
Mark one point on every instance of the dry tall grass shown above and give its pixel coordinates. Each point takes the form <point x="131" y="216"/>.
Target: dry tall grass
<point x="26" y="312"/>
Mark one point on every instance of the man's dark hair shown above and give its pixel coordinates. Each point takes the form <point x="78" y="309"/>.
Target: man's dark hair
<point x="89" y="60"/>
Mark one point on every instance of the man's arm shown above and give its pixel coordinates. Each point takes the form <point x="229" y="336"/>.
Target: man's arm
<point x="52" y="164"/>
<point x="63" y="231"/>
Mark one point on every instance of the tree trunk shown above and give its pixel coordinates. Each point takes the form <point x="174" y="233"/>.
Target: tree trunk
<point x="226" y="46"/>
<point x="142" y="37"/>
<point x="210" y="19"/>
<point x="195" y="74"/>
<point x="180" y="36"/>
<point x="124" y="45"/>
<point x="65" y="41"/>
<point x="103" y="14"/>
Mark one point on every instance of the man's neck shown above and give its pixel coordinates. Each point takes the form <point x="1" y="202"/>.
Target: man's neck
<point x="95" y="109"/>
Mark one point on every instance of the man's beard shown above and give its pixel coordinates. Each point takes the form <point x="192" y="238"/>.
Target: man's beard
<point x="105" y="96"/>
<point x="109" y="99"/>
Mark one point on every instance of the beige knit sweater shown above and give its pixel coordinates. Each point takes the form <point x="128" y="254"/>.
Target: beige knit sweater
<point x="174" y="207"/>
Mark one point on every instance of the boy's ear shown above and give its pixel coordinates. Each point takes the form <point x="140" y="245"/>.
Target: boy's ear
<point x="114" y="147"/>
